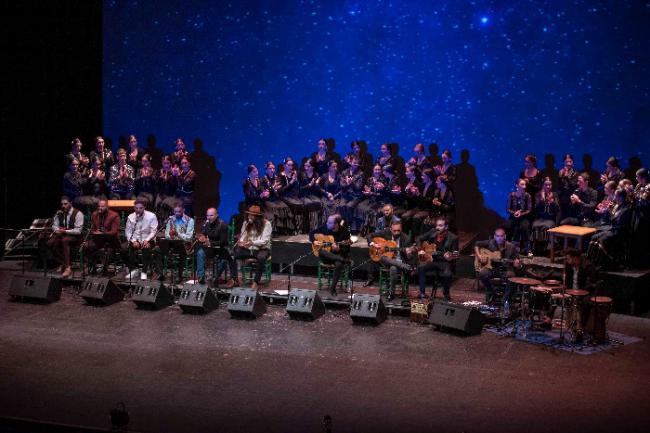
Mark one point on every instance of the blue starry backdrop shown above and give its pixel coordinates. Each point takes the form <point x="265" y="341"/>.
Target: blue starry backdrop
<point x="258" y="80"/>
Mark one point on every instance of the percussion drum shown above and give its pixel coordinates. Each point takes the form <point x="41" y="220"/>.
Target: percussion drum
<point x="540" y="298"/>
<point x="599" y="309"/>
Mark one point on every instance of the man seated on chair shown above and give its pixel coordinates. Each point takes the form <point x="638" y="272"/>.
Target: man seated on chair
<point x="386" y="218"/>
<point x="179" y="227"/>
<point x="579" y="273"/>
<point x="254" y="242"/>
<point x="141" y="228"/>
<point x="401" y="261"/>
<point x="509" y="256"/>
<point x="66" y="233"/>
<point x="340" y="248"/>
<point x="214" y="233"/>
<point x="441" y="260"/>
<point x="104" y="233"/>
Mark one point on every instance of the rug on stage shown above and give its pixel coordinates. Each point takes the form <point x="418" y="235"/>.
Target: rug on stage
<point x="520" y="330"/>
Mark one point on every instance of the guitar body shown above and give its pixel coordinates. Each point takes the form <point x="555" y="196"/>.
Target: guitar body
<point x="384" y="248"/>
<point x="429" y="250"/>
<point x="327" y="241"/>
<point x="491" y="255"/>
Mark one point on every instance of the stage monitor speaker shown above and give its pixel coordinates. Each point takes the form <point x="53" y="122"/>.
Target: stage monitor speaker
<point x="467" y="320"/>
<point x="305" y="304"/>
<point x="100" y="291"/>
<point x="197" y="298"/>
<point x="35" y="287"/>
<point x="151" y="295"/>
<point x="367" y="309"/>
<point x="246" y="303"/>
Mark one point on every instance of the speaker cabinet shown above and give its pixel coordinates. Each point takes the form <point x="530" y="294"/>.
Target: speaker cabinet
<point x="197" y="298"/>
<point x="304" y="304"/>
<point x="367" y="309"/>
<point x="246" y="303"/>
<point x="100" y="291"/>
<point x="35" y="287"/>
<point x="151" y="295"/>
<point x="466" y="320"/>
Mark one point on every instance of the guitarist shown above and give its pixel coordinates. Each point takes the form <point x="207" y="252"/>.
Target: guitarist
<point x="339" y="256"/>
<point x="446" y="250"/>
<point x="508" y="252"/>
<point x="254" y="242"/>
<point x="214" y="233"/>
<point x="401" y="261"/>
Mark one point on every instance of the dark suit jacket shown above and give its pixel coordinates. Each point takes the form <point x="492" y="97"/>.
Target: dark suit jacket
<point x="510" y="251"/>
<point x="449" y="244"/>
<point x="110" y="223"/>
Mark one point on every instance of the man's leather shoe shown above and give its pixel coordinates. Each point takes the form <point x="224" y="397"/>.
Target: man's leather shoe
<point x="67" y="272"/>
<point x="369" y="283"/>
<point x="230" y="284"/>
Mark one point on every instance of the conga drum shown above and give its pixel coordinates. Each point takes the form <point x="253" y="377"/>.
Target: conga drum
<point x="576" y="314"/>
<point x="600" y="308"/>
<point x="540" y="298"/>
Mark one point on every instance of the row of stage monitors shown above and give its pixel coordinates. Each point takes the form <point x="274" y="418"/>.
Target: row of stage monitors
<point x="245" y="303"/>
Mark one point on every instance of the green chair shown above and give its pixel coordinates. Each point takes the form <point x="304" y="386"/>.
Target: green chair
<point x="248" y="270"/>
<point x="384" y="281"/>
<point x="326" y="272"/>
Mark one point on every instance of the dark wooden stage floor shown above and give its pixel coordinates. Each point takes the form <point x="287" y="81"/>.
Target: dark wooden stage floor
<point x="68" y="362"/>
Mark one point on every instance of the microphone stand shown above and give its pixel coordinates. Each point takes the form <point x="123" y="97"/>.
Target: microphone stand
<point x="352" y="277"/>
<point x="137" y="220"/>
<point x="290" y="267"/>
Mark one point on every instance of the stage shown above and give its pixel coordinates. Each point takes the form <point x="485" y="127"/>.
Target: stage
<point x="69" y="362"/>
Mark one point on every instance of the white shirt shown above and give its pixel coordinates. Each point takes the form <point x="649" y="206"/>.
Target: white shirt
<point x="260" y="240"/>
<point x="142" y="228"/>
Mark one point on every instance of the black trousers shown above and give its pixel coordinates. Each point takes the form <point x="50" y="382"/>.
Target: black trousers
<point x="338" y="260"/>
<point x="260" y="256"/>
<point x="442" y="273"/>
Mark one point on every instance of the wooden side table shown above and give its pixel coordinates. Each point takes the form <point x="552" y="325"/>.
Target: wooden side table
<point x="569" y="232"/>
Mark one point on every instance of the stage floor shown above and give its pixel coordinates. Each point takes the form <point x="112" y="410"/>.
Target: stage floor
<point x="68" y="362"/>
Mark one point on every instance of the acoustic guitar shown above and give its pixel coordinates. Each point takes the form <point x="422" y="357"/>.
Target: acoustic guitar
<point x="429" y="249"/>
<point x="326" y="242"/>
<point x="491" y="256"/>
<point x="382" y="248"/>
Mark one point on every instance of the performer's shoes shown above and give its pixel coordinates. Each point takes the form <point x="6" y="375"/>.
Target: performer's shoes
<point x="67" y="272"/>
<point x="202" y="280"/>
<point x="230" y="283"/>
<point x="254" y="285"/>
<point x="60" y="269"/>
<point x="370" y="282"/>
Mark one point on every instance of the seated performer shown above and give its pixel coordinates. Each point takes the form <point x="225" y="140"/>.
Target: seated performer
<point x="104" y="232"/>
<point x="310" y="195"/>
<point x="612" y="241"/>
<point x="134" y="153"/>
<point x="105" y="155"/>
<point x="141" y="227"/>
<point x="447" y="169"/>
<point x="339" y="255"/>
<point x="145" y="182"/>
<point x="275" y="210"/>
<point x="411" y="197"/>
<point x="122" y="178"/>
<point x="166" y="187"/>
<point x="179" y="227"/>
<point x="66" y="232"/>
<point x="289" y="193"/>
<point x="75" y="153"/>
<point x="254" y="241"/>
<point x="582" y="204"/>
<point x="352" y="182"/>
<point x="331" y="189"/>
<point x="440" y="263"/>
<point x="641" y="221"/>
<point x="568" y="182"/>
<point x="214" y="234"/>
<point x="181" y="152"/>
<point x="373" y="191"/>
<point x="186" y="178"/>
<point x="520" y="205"/>
<point x="95" y="187"/>
<point x="579" y="273"/>
<point x="384" y="222"/>
<point x="322" y="157"/>
<point x="401" y="262"/>
<point x="73" y="182"/>
<point x="508" y="258"/>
